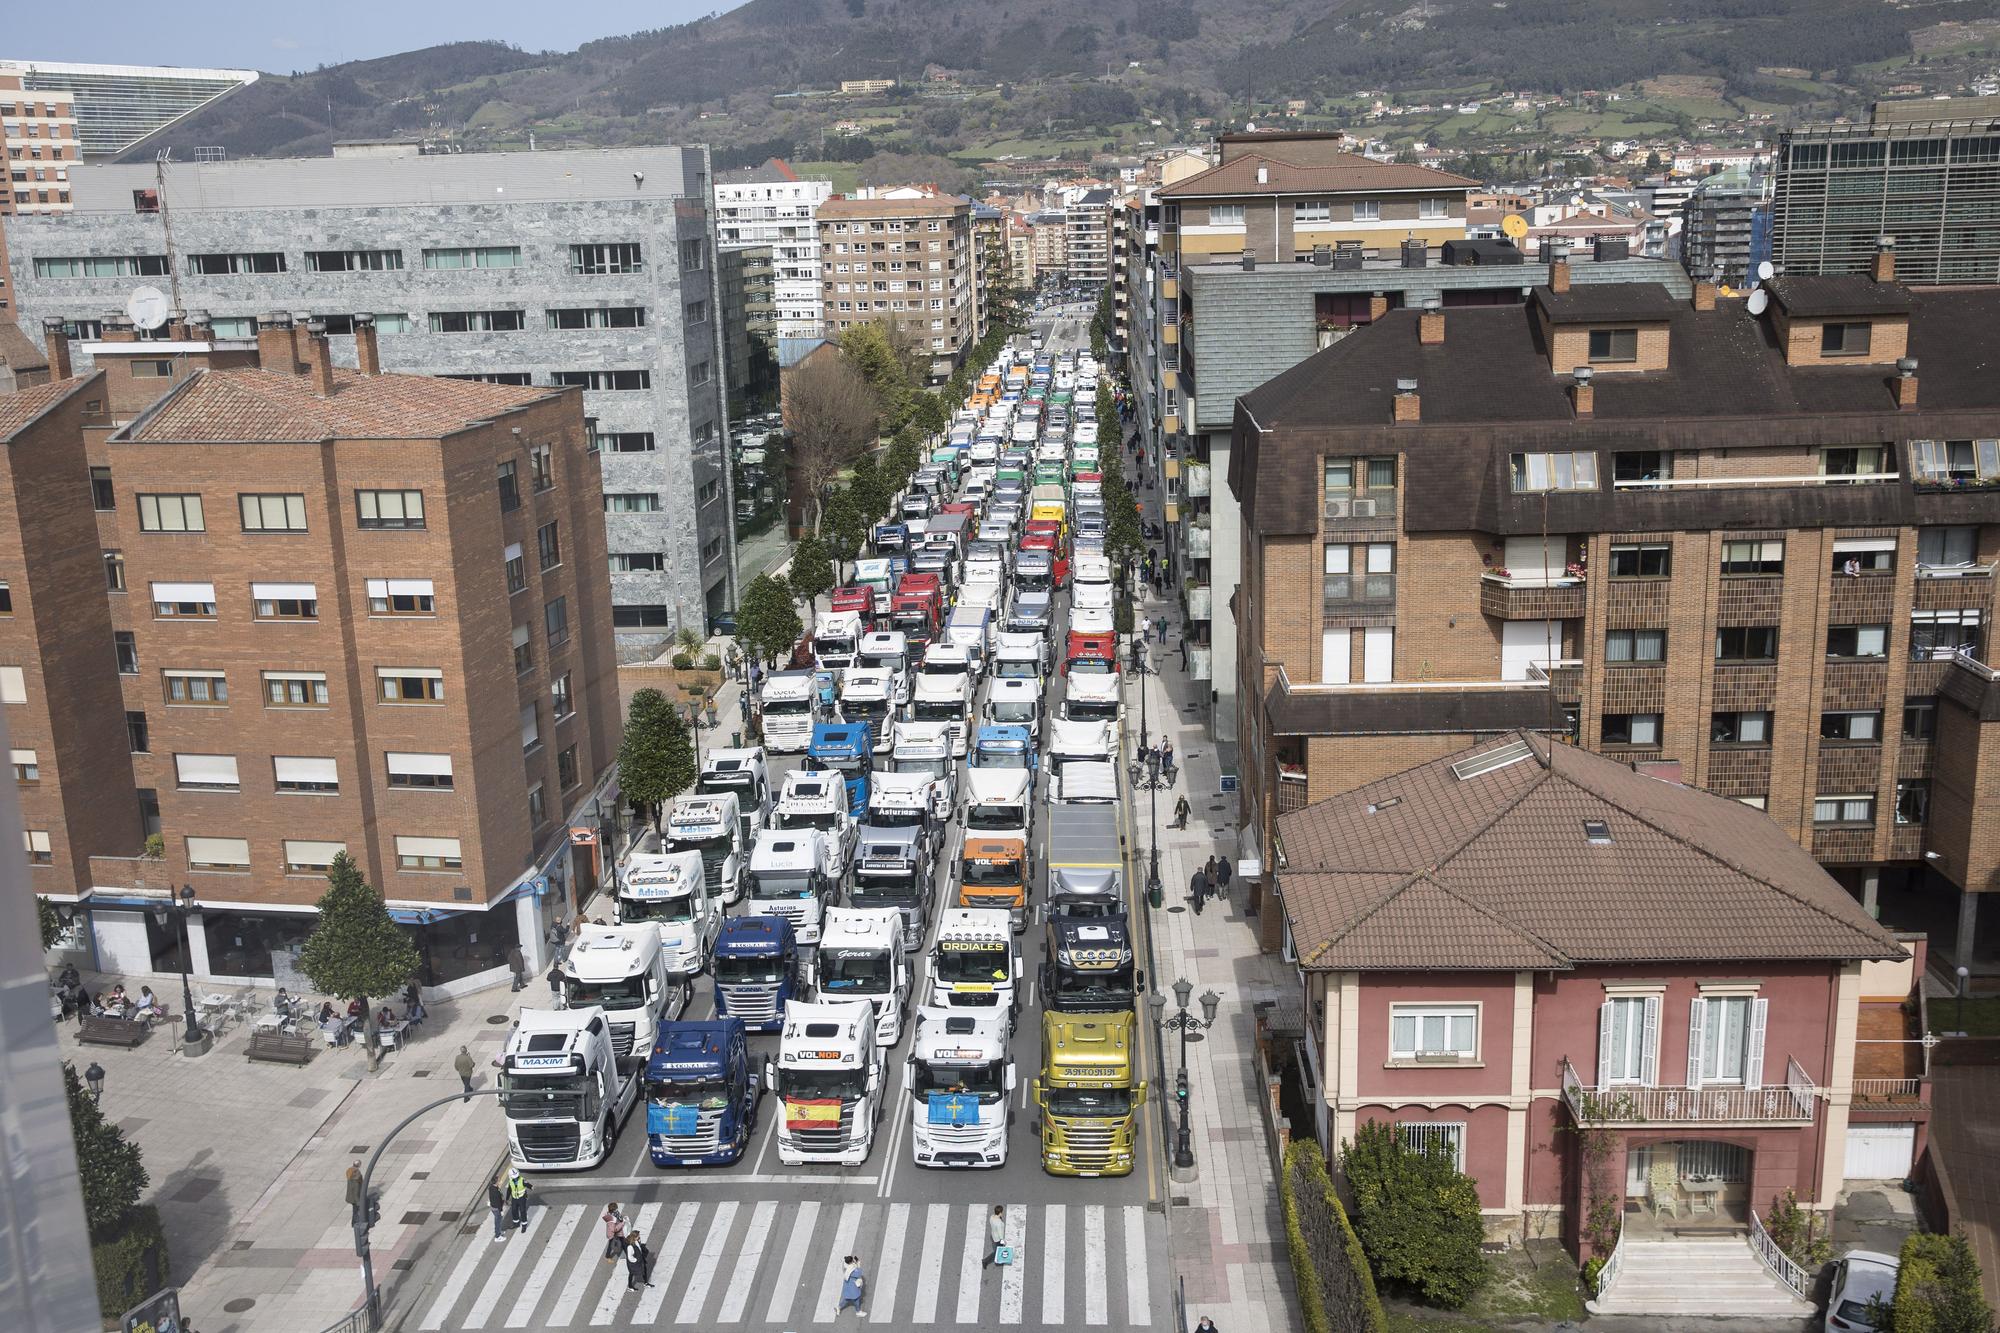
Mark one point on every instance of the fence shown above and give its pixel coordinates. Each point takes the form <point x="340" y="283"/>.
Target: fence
<point x="1778" y="1261"/>
<point x="356" y="1322"/>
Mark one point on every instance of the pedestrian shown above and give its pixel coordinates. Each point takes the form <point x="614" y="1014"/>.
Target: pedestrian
<point x="1198" y="889"/>
<point x="496" y="1203"/>
<point x="1181" y="812"/>
<point x="614" y="1232"/>
<point x="1184" y="656"/>
<point x="1161" y="625"/>
<point x="558" y="936"/>
<point x="463" y="1064"/>
<point x="517" y="1198"/>
<point x="1166" y="753"/>
<point x="638" y="1262"/>
<point x="1222" y="874"/>
<point x="851" y="1286"/>
<point x="996" y="1235"/>
<point x="354" y="1191"/>
<point x="1206" y="1325"/>
<point x="519" y="966"/>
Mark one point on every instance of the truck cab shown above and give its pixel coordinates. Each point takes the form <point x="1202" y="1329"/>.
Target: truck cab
<point x="836" y="635"/>
<point x="889" y="537"/>
<point x="868" y="699"/>
<point x="846" y="748"/>
<point x="757" y="970"/>
<point x="1089" y="1094"/>
<point x="746" y="773"/>
<point x="1033" y="613"/>
<point x="563" y="1090"/>
<point x="887" y="651"/>
<point x="792" y="703"/>
<point x="995" y="871"/>
<point x="816" y="801"/>
<point x="1093" y="651"/>
<point x="944" y="698"/>
<point x="924" y="752"/>
<point x="701" y="1094"/>
<point x="917" y="607"/>
<point x="892" y="870"/>
<point x="828" y="1079"/>
<point x="1034" y="571"/>
<point x="878" y="575"/>
<point x="794" y="874"/>
<point x="1087" y="961"/>
<point x="968" y="628"/>
<point x="861" y="957"/>
<point x="975" y="963"/>
<point x="622" y="971"/>
<point x="1016" y="703"/>
<point x="1092" y="697"/>
<point x="713" y="826"/>
<point x="1022" y="657"/>
<point x="671" y="892"/>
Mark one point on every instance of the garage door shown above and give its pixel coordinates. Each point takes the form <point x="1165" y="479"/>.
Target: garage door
<point x="1879" y="1152"/>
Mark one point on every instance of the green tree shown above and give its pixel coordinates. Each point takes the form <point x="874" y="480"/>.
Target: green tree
<point x="869" y="488"/>
<point x="846" y="529"/>
<point x="111" y="1170"/>
<point x="811" y="572"/>
<point x="51" y="922"/>
<point x="355" y="949"/>
<point x="1937" y="1289"/>
<point x="655" y="756"/>
<point x="767" y="620"/>
<point x="901" y="460"/>
<point x="870" y="349"/>
<point x="931" y="414"/>
<point x="1417" y="1216"/>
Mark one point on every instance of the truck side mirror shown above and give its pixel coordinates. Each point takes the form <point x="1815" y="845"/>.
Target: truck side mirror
<point x="1010" y="1078"/>
<point x="1139" y="1095"/>
<point x="1034" y="1091"/>
<point x="1139" y="981"/>
<point x="874" y="1080"/>
<point x="770" y="1076"/>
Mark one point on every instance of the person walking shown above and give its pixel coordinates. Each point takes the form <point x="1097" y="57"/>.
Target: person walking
<point x="1206" y="1325"/>
<point x="1184" y="648"/>
<point x="1181" y="812"/>
<point x="638" y="1262"/>
<point x="496" y="1203"/>
<point x="1198" y="888"/>
<point x="463" y="1064"/>
<point x="614" y="1232"/>
<point x="1160" y="628"/>
<point x="517" y="1198"/>
<point x="519" y="966"/>
<point x="1222" y="874"/>
<point x="996" y="1234"/>
<point x="1166" y="754"/>
<point x="852" y="1285"/>
<point x="355" y="1186"/>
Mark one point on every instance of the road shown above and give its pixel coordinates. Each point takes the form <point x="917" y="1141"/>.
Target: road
<point x="759" y="1245"/>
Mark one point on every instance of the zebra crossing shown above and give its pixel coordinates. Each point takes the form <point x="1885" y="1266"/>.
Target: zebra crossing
<point x="765" y="1265"/>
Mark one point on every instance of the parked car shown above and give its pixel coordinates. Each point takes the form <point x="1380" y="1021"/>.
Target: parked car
<point x="1857" y="1276"/>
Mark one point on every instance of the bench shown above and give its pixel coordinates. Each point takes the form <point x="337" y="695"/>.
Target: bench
<point x="110" y="1031"/>
<point x="280" y="1047"/>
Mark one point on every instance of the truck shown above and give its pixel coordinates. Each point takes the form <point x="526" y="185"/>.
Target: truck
<point x="1094" y="651"/>
<point x="923" y="753"/>
<point x="746" y="773"/>
<point x="1074" y="780"/>
<point x="862" y="957"/>
<point x="868" y="699"/>
<point x="917" y="607"/>
<point x="889" y="651"/>
<point x="960" y="1080"/>
<point x="1092" y="697"/>
<point x="794" y="874"/>
<point x="828" y="1080"/>
<point x="945" y="699"/>
<point x="878" y="575"/>
<point x="890" y="536"/>
<point x="1022" y="657"/>
<point x="1087" y="960"/>
<point x="816" y="801"/>
<point x="1033" y="613"/>
<point x="995" y="871"/>
<point x="975" y="963"/>
<point x="892" y="870"/>
<point x="563" y="1089"/>
<point x="622" y="972"/>
<point x="1017" y="703"/>
<point x="671" y="892"/>
<point x="970" y="626"/>
<point x="792" y="703"/>
<point x="1088" y="1093"/>
<point x="1086" y="854"/>
<point x="713" y="826"/>
<point x="846" y="748"/>
<point x="701" y="1094"/>
<point x="1034" y="571"/>
<point x="836" y="635"/>
<point x="757" y="970"/>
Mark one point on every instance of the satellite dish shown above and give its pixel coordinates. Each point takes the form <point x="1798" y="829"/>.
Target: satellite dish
<point x="1514" y="226"/>
<point x="148" y="308"/>
<point x="1764" y="271"/>
<point x="1758" y="300"/>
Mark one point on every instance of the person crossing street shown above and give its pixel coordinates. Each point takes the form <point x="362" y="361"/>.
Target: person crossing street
<point x="996" y="1234"/>
<point x="496" y="1203"/>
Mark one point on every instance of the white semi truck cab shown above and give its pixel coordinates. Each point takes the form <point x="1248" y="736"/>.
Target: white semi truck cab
<point x="712" y="826"/>
<point x="621" y="971"/>
<point x="747" y="775"/>
<point x="868" y="696"/>
<point x="976" y="964"/>
<point x="960" y="1078"/>
<point x="817" y="801"/>
<point x="861" y="958"/>
<point x="794" y="873"/>
<point x="828" y="1079"/>
<point x="671" y="891"/>
<point x="944" y="698"/>
<point x="563" y="1090"/>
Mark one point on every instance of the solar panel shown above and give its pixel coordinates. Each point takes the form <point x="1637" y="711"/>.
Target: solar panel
<point x="1513" y="752"/>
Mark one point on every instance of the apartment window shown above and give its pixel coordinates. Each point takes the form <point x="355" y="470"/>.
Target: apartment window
<point x="632" y="502"/>
<point x="353" y="261"/>
<point x="596" y="260"/>
<point x="697" y="312"/>
<point x="640" y="615"/>
<point x="114" y="575"/>
<point x="1367" y="210"/>
<point x="1853" y="556"/>
<point x="1728" y="1031"/>
<point x="517" y="569"/>
<point x="428" y="854"/>
<point x="1635" y="646"/>
<point x="1920" y="717"/>
<point x="170" y="513"/>
<point x="1740" y="728"/>
<point x="510" y="486"/>
<point x="548" y="542"/>
<point x="128" y="656"/>
<point x="233" y="326"/>
<point x="1746" y="643"/>
<point x="273" y="513"/>
<point x="599" y="317"/>
<point x="1554" y="472"/>
<point x="1853" y="460"/>
<point x="1843" y="339"/>
<point x="409" y="685"/>
<point x="286" y="601"/>
<point x="27" y="765"/>
<point x="102" y="496"/>
<point x="1641" y="560"/>
<point x="389" y="509"/>
<point x="693" y="254"/>
<point x="700" y="373"/>
<point x="337" y="324"/>
<point x="1631" y="729"/>
<point x="1638" y="465"/>
<point x="295" y="689"/>
<point x="538" y="812"/>
<point x="401" y="597"/>
<point x="185" y="600"/>
<point x="1942" y="462"/>
<point x="152" y="370"/>
<point x="531" y="730"/>
<point x="37" y="843"/>
<point x="393" y="321"/>
<point x="708" y="493"/>
<point x="603" y="381"/>
<point x="1851" y="725"/>
<point x="1753" y="557"/>
<point x="427" y="772"/>
<point x="1857" y="641"/>
<point x="103" y="266"/>
<point x="1628" y="1039"/>
<point x="542" y="465"/>
<point x="711" y="551"/>
<point x="555" y="621"/>
<point x="1947" y="548"/>
<point x="1913" y="800"/>
<point x="1225" y="215"/>
<point x="567" y="772"/>
<point x="627" y="442"/>
<point x="474" y="256"/>
<point x="1443" y="1032"/>
<point x="310" y="856"/>
<point x="218" y="853"/>
<point x="478" y="321"/>
<point x="1938" y="636"/>
<point x="518" y="378"/>
<point x="1430" y="210"/>
<point x="639" y="562"/>
<point x="208" y="689"/>
<point x="1309" y="211"/>
<point x="1613" y="345"/>
<point x="561" y="701"/>
<point x="214" y="265"/>
<point x="303" y="775"/>
<point x="1844" y="810"/>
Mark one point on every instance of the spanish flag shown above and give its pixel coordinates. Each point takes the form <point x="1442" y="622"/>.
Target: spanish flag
<point x="814" y="1114"/>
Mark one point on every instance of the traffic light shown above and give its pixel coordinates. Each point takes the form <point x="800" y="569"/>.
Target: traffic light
<point x="375" y="1202"/>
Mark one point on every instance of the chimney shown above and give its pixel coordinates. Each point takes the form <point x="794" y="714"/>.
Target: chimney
<point x="1559" y="272"/>
<point x="1378" y="305"/>
<point x="1906" y="384"/>
<point x="55" y="344"/>
<point x="274" y="343"/>
<point x="1322" y="255"/>
<point x="1430" y="325"/>
<point x="302" y="339"/>
<point x="118" y="329"/>
<point x="319" y="358"/>
<point x="367" y="351"/>
<point x="1408" y="406"/>
<point x="1704" y="295"/>
<point x="1249" y="259"/>
<point x="200" y="326"/>
<point x="1884" y="267"/>
<point x="1582" y="397"/>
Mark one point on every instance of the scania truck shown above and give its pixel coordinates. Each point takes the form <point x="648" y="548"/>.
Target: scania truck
<point x="712" y="826"/>
<point x="1088" y="1094"/>
<point x="757" y="970"/>
<point x="960" y="1078"/>
<point x="563" y="1091"/>
<point x="701" y="1094"/>
<point x="828" y="1078"/>
<point x="861" y="957"/>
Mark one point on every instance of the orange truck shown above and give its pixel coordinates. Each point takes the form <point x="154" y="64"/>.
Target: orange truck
<point x="993" y="872"/>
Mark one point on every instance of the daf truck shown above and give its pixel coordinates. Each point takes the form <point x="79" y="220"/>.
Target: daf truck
<point x="1088" y="1094"/>
<point x="712" y="826"/>
<point x="701" y="1094"/>
<point x="960" y="1079"/>
<point x="621" y="971"/>
<point x="563" y="1090"/>
<point x="671" y="892"/>
<point x="757" y="969"/>
<point x="828" y="1080"/>
<point x="861" y="957"/>
<point x="794" y="874"/>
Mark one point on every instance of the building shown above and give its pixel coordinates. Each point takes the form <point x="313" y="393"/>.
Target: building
<point x="866" y="86"/>
<point x="1051" y="243"/>
<point x="1021" y="271"/>
<point x="1087" y="238"/>
<point x="1720" y="231"/>
<point x="588" y="269"/>
<point x="747" y="279"/>
<point x="906" y="259"/>
<point x="350" y="611"/>
<point x="1517" y="941"/>
<point x="772" y="205"/>
<point x="1756" y="550"/>
<point x="40" y="133"/>
<point x="993" y="266"/>
<point x="119" y="107"/>
<point x="1927" y="183"/>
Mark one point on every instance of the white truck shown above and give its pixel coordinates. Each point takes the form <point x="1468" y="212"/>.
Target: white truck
<point x="671" y="892"/>
<point x="1016" y="702"/>
<point x="972" y="626"/>
<point x="1092" y="697"/>
<point x="791" y="704"/>
<point x="1000" y="803"/>
<point x="712" y="826"/>
<point x="924" y="758"/>
<point x="861" y="958"/>
<point x="945" y="698"/>
<point x="563" y="1089"/>
<point x="975" y="963"/>
<point x="622" y="972"/>
<point x="794" y="873"/>
<point x="828" y="1079"/>
<point x="817" y="801"/>
<point x="888" y="650"/>
<point x="836" y="638"/>
<point x="1023" y="655"/>
<point x="960" y="1078"/>
<point x="746" y="773"/>
<point x="868" y="697"/>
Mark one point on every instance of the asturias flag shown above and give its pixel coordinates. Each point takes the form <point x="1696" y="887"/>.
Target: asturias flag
<point x="953" y="1108"/>
<point x="817" y="1113"/>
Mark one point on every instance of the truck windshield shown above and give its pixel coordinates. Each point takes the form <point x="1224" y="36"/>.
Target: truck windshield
<point x="623" y="993"/>
<point x="865" y="710"/>
<point x="994" y="756"/>
<point x="1089" y="710"/>
<point x="879" y="890"/>
<point x="927" y="710"/>
<point x="1035" y="581"/>
<point x="656" y="909"/>
<point x="848" y="970"/>
<point x="1093" y="986"/>
<point x="834" y="645"/>
<point x="1090" y="666"/>
<point x="958" y="961"/>
<point x="714" y="848"/>
<point x="829" y="820"/>
<point x="1018" y="713"/>
<point x="1025" y="668"/>
<point x="996" y="817"/>
<point x="786" y="707"/>
<point x="749" y="971"/>
<point x="741" y="781"/>
<point x="781" y="884"/>
<point x="542" y="1096"/>
<point x="846" y="1084"/>
<point x="985" y="872"/>
<point x="935" y="766"/>
<point x="1085" y="905"/>
<point x="710" y="1094"/>
<point x="1089" y="1101"/>
<point x="982" y="1081"/>
<point x="885" y="661"/>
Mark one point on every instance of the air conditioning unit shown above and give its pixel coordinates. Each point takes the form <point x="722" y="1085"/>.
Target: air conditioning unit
<point x="1364" y="509"/>
<point x="1337" y="508"/>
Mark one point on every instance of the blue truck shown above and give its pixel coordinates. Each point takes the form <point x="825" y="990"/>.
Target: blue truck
<point x="701" y="1094"/>
<point x="890" y="537"/>
<point x="847" y="748"/>
<point x="1002" y="746"/>
<point x="756" y="971"/>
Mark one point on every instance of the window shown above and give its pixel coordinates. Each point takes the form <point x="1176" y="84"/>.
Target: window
<point x="1443" y="1032"/>
<point x="1432" y="209"/>
<point x="1844" y="810"/>
<point x="599" y="317"/>
<point x="295" y="689"/>
<point x="233" y="326"/>
<point x="389" y="509"/>
<point x="524" y="655"/>
<point x="542" y="466"/>
<point x="393" y="321"/>
<point x="1947" y="548"/>
<point x="1746" y="643"/>
<point x="1753" y="557"/>
<point x="37" y="842"/>
<point x="1942" y="462"/>
<point x="310" y="776"/>
<point x="273" y="513"/>
<point x="353" y="261"/>
<point x="1225" y="215"/>
<point x="1638" y="465"/>
<point x="213" y="265"/>
<point x="708" y="493"/>
<point x="591" y="260"/>
<point x="626" y="442"/>
<point x="103" y="266"/>
<point x="567" y="773"/>
<point x="1631" y="729"/>
<point x="200" y="688"/>
<point x="195" y="600"/>
<point x="1863" y="555"/>
<point x="517" y="569"/>
<point x="697" y="312"/>
<point x="693" y="253"/>
<point x="1614" y="345"/>
<point x="700" y="373"/>
<point x="1626" y="646"/>
<point x="27" y="765"/>
<point x="114" y="573"/>
<point x="401" y="597"/>
<point x="285" y="601"/>
<point x="1726" y="1039"/>
<point x="548" y="543"/>
<point x="643" y="615"/>
<point x="531" y="730"/>
<point x="1938" y="636"/>
<point x="1367" y="210"/>
<point x="515" y="377"/>
<point x="409" y="685"/>
<point x="137" y="735"/>
<point x="101" y="495"/>
<point x="1843" y="339"/>
<point x="1913" y="800"/>
<point x="1309" y="211"/>
<point x="427" y="854"/>
<point x="1862" y="460"/>
<point x="1628" y="1040"/>
<point x="1754" y="802"/>
<point x="206" y="772"/>
<point x="430" y="772"/>
<point x="711" y="551"/>
<point x="170" y="513"/>
<point x="474" y="256"/>
<point x="510" y="486"/>
<point x="1740" y="728"/>
<point x="478" y="321"/>
<point x="538" y="810"/>
<point x="555" y="621"/>
<point x="632" y="502"/>
<point x="1857" y="641"/>
<point x="639" y="562"/>
<point x="127" y="648"/>
<point x="603" y="380"/>
<point x="1641" y="560"/>
<point x="307" y="856"/>
<point x="147" y="369"/>
<point x="218" y="853"/>
<point x="1920" y="717"/>
<point x="1554" y="472"/>
<point x="562" y="704"/>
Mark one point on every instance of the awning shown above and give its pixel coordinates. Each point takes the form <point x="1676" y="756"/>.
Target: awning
<point x="1173" y="512"/>
<point x="284" y="592"/>
<point x="400" y="588"/>
<point x="184" y="592"/>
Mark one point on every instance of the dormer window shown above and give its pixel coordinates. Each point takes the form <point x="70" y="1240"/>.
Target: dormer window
<point x="1844" y="339"/>
<point x="1615" y="345"/>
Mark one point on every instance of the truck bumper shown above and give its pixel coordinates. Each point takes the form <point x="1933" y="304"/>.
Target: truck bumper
<point x="852" y="1156"/>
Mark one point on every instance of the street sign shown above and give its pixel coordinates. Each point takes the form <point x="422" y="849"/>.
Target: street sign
<point x="159" y="1313"/>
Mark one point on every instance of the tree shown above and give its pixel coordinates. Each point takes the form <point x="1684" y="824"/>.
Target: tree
<point x="51" y="923"/>
<point x="655" y="757"/>
<point x="830" y="414"/>
<point x="870" y="350"/>
<point x="846" y="529"/>
<point x="811" y="572"/>
<point x="870" y="490"/>
<point x="355" y="949"/>
<point x="1417" y="1215"/>
<point x="111" y="1170"/>
<point x="1937" y="1289"/>
<point x="767" y="621"/>
<point x="931" y="414"/>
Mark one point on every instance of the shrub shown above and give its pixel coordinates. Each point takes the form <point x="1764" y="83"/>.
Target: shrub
<point x="1417" y="1216"/>
<point x="1593" y="1267"/>
<point x="1336" y="1292"/>
<point x="681" y="661"/>
<point x="156" y="846"/>
<point x="711" y="662"/>
<point x="1793" y="1230"/>
<point x="1938" y="1289"/>
<point x="132" y="1264"/>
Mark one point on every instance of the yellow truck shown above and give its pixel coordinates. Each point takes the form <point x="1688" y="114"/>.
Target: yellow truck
<point x="1087" y="1094"/>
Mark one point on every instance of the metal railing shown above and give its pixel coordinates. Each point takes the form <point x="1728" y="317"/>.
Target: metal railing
<point x="357" y="1321"/>
<point x="1791" y="1102"/>
<point x="1810" y="479"/>
<point x="1609" y="1273"/>
<point x="1775" y="1259"/>
<point x="1897" y="1090"/>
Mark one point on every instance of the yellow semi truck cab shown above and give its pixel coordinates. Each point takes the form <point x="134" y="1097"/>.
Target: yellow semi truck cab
<point x="1087" y="1094"/>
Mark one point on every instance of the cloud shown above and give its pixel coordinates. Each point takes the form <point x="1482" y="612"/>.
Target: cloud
<point x="285" y="43"/>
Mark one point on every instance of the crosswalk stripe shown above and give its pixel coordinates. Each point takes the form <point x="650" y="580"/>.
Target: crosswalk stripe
<point x="1014" y="1277"/>
<point x="705" y="1265"/>
<point x="792" y="1265"/>
<point x="667" y="1256"/>
<point x="748" y="1255"/>
<point x="971" y="1277"/>
<point x="589" y="1259"/>
<point x="883" y="1300"/>
<point x="545" y="1267"/>
<point x="1095" y="1306"/>
<point x="1052" y="1256"/>
<point x="454" y="1287"/>
<point x="619" y="1285"/>
<point x="844" y="1233"/>
<point x="1138" y="1290"/>
<point x="937" y="1221"/>
<point x="511" y="1255"/>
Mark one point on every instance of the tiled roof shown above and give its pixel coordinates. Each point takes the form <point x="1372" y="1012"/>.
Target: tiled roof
<point x="842" y="207"/>
<point x="1495" y="871"/>
<point x="18" y="350"/>
<point x="1806" y="295"/>
<point x="1589" y="303"/>
<point x="225" y="405"/>
<point x="1353" y="173"/>
<point x="20" y="410"/>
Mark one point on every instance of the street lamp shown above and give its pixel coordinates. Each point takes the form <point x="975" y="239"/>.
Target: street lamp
<point x="691" y="714"/>
<point x="93" y="1078"/>
<point x="179" y="909"/>
<point x="1184" y="1022"/>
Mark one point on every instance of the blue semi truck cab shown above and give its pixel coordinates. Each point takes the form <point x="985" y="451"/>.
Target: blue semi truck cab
<point x="701" y="1094"/>
<point x="756" y="971"/>
<point x="847" y="748"/>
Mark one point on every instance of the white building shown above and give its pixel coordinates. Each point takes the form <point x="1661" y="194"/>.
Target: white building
<point x="772" y="205"/>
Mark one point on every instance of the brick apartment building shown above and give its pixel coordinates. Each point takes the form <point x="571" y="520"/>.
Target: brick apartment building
<point x="39" y="129"/>
<point x="271" y="610"/>
<point x="1756" y="549"/>
<point x="907" y="258"/>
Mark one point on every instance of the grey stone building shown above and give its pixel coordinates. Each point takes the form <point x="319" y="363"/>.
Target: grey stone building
<point x="593" y="268"/>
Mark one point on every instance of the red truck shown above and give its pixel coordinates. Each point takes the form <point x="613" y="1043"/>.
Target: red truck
<point x="917" y="609"/>
<point x="1046" y="535"/>
<point x="858" y="598"/>
<point x="1091" y="652"/>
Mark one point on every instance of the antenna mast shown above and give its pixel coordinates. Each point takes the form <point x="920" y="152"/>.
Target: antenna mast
<point x="160" y="161"/>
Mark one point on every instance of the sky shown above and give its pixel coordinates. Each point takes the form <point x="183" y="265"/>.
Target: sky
<point x="277" y="39"/>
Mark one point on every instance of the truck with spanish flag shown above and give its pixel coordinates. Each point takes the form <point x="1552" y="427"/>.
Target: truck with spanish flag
<point x="828" y="1080"/>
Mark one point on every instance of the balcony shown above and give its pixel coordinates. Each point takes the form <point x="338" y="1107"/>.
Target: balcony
<point x="1953" y="588"/>
<point x="1198" y="540"/>
<point x="1170" y="334"/>
<point x="1201" y="661"/>
<point x="1564" y="678"/>
<point x="1200" y="602"/>
<point x="1531" y="597"/>
<point x="1360" y="508"/>
<point x="1197" y="480"/>
<point x="1789" y="1103"/>
<point x="1344" y="595"/>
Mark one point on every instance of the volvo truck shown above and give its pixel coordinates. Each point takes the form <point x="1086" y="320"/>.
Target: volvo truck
<point x="828" y="1080"/>
<point x="563" y="1090"/>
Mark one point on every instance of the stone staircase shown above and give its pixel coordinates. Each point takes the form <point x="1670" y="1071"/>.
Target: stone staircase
<point x="1697" y="1276"/>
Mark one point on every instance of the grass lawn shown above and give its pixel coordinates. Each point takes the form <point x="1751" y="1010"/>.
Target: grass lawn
<point x="1537" y="1285"/>
<point x="846" y="176"/>
<point x="1982" y="1016"/>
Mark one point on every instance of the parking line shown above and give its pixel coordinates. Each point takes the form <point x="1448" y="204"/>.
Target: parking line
<point x="971" y="1273"/>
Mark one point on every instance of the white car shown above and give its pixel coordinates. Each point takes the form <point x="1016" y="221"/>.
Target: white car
<point x="1857" y="1276"/>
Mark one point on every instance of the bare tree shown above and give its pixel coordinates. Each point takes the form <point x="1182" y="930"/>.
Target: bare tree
<point x="830" y="414"/>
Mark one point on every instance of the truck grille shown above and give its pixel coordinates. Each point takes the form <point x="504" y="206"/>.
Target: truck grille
<point x="706" y="1138"/>
<point x="973" y="999"/>
<point x="958" y="1134"/>
<point x="792" y="909"/>
<point x="828" y="1140"/>
<point x="549" y="1141"/>
<point x="711" y="873"/>
<point x="621" y="1039"/>
<point x="976" y="898"/>
<point x="752" y="1004"/>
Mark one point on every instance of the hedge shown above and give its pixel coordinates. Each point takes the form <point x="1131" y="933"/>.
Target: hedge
<point x="1938" y="1288"/>
<point x="1336" y="1290"/>
<point x="131" y="1265"/>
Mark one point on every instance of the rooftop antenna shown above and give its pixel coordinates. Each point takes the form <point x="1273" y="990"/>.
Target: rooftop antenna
<point x="160" y="160"/>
